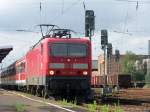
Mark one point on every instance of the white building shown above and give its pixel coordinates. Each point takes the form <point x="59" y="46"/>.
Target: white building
<point x="149" y="48"/>
<point x="148" y="65"/>
<point x="147" y="61"/>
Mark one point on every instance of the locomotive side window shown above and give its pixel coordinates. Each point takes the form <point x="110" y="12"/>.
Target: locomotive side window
<point x="21" y="68"/>
<point x="69" y="49"/>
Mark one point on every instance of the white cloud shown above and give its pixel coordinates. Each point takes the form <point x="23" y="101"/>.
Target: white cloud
<point x="110" y="14"/>
<point x="122" y="42"/>
<point x="21" y="43"/>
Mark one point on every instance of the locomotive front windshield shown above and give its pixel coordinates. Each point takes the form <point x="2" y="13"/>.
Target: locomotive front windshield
<point x="69" y="49"/>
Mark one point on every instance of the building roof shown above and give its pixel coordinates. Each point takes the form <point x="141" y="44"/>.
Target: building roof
<point x="4" y="51"/>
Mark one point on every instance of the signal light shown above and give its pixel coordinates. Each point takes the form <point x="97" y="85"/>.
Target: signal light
<point x="85" y="72"/>
<point x="89" y="22"/>
<point x="117" y="55"/>
<point x="102" y="61"/>
<point x="104" y="37"/>
<point x="51" y="72"/>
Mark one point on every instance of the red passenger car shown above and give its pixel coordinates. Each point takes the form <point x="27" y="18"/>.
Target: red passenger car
<point x="20" y="67"/>
<point x="8" y="77"/>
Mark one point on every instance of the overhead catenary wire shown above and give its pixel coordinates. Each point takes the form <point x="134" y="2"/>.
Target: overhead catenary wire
<point x="138" y="3"/>
<point x="125" y="20"/>
<point x="62" y="9"/>
<point x="84" y="6"/>
<point x="65" y="10"/>
<point x="40" y="8"/>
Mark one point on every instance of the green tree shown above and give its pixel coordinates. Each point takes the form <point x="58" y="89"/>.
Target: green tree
<point x="138" y="75"/>
<point x="129" y="62"/>
<point x="129" y="66"/>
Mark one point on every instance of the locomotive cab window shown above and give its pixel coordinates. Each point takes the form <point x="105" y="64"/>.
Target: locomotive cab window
<point x="68" y="49"/>
<point x="59" y="49"/>
<point x="77" y="50"/>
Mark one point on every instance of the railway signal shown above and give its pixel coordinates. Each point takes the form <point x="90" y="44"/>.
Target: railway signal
<point x="104" y="42"/>
<point x="117" y="55"/>
<point x="89" y="23"/>
<point x="106" y="47"/>
<point x="104" y="38"/>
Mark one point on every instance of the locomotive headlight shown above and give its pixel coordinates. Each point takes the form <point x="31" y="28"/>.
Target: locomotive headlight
<point x="85" y="72"/>
<point x="51" y="72"/>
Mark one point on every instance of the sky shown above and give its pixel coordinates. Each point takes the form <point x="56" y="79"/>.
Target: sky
<point x="127" y="23"/>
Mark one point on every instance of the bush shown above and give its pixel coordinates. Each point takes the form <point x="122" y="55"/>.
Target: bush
<point x="138" y="76"/>
<point x="147" y="79"/>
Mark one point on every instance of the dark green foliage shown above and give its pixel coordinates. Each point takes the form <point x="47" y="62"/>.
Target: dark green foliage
<point x="138" y="76"/>
<point x="129" y="66"/>
<point x="129" y="61"/>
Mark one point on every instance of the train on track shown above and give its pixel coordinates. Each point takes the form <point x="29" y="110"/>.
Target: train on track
<point x="57" y="65"/>
<point x="111" y="80"/>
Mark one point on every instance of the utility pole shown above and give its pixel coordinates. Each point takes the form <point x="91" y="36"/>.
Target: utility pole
<point x="104" y="42"/>
<point x="117" y="57"/>
<point x="107" y="59"/>
<point x="109" y="54"/>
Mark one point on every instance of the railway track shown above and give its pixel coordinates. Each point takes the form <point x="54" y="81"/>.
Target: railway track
<point x="132" y="96"/>
<point x="125" y="101"/>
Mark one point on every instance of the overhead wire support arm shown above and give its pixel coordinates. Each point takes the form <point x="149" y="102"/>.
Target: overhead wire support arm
<point x="60" y="33"/>
<point x="49" y="28"/>
<point x="41" y="31"/>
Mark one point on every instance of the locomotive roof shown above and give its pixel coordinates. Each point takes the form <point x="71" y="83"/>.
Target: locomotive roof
<point x="60" y="39"/>
<point x="67" y="39"/>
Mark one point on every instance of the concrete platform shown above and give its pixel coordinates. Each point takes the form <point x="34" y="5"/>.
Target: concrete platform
<point x="11" y="101"/>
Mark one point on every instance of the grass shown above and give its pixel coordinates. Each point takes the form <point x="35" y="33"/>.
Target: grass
<point x="108" y="108"/>
<point x="92" y="107"/>
<point x="104" y="108"/>
<point x="20" y="107"/>
<point x="64" y="102"/>
<point x="71" y="103"/>
<point x="118" y="109"/>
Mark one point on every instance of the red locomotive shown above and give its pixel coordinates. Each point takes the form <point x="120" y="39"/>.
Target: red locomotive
<point x="57" y="64"/>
